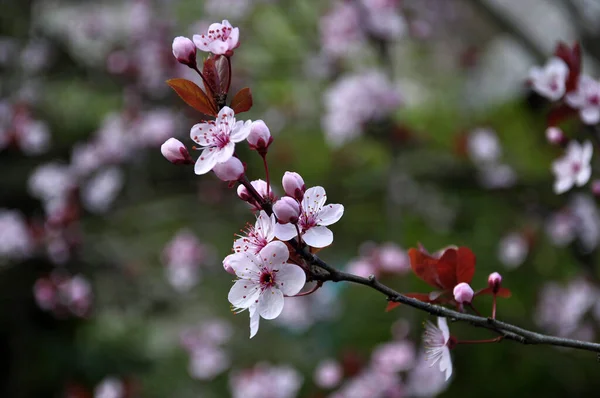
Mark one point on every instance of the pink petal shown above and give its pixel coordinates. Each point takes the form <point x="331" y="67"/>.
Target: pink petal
<point x="314" y="199"/>
<point x="318" y="237"/>
<point x="200" y="135"/>
<point x="285" y="232"/>
<point x="274" y="255"/>
<point x="241" y="131"/>
<point x="254" y="320"/>
<point x="234" y="38"/>
<point x="270" y="303"/>
<point x="206" y="161"/>
<point x="243" y="293"/>
<point x="199" y="42"/>
<point x="330" y="214"/>
<point x="224" y="154"/>
<point x="290" y="279"/>
<point x="218" y="47"/>
<point x="264" y="226"/>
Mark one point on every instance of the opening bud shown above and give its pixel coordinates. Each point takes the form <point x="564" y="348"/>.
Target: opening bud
<point x="184" y="51"/>
<point x="463" y="293"/>
<point x="293" y="185"/>
<point x="555" y="136"/>
<point x="494" y="281"/>
<point x="287" y="210"/>
<point x="227" y="264"/>
<point x="259" y="137"/>
<point x="231" y="170"/>
<point x="175" y="152"/>
<point x="243" y="193"/>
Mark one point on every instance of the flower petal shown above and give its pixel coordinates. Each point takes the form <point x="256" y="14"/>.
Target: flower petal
<point x="285" y="232"/>
<point x="218" y="47"/>
<point x="590" y="115"/>
<point x="563" y="184"/>
<point x="254" y="320"/>
<point x="587" y="152"/>
<point x="330" y="214"/>
<point x="274" y="255"/>
<point x="443" y="325"/>
<point x="314" y="199"/>
<point x="240" y="131"/>
<point x="200" y="133"/>
<point x="270" y="303"/>
<point x="264" y="226"/>
<point x="200" y="41"/>
<point x="584" y="175"/>
<point x="243" y="293"/>
<point x="245" y="265"/>
<point x="234" y="38"/>
<point x="206" y="161"/>
<point x="318" y="236"/>
<point x="290" y="279"/>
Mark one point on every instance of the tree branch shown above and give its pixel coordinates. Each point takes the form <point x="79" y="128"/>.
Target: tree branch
<point x="506" y="330"/>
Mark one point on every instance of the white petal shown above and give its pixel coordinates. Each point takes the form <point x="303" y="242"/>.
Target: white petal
<point x="290" y="279"/>
<point x="443" y="325"/>
<point x="584" y="175"/>
<point x="314" y="199"/>
<point x="274" y="255"/>
<point x="245" y="265"/>
<point x="199" y="42"/>
<point x="590" y="115"/>
<point x="226" y="23"/>
<point x="587" y="152"/>
<point x="264" y="226"/>
<point x="330" y="214"/>
<point x="563" y="184"/>
<point x="270" y="303"/>
<point x="224" y="154"/>
<point x="226" y="114"/>
<point x="254" y="320"/>
<point x="200" y="135"/>
<point x="446" y="362"/>
<point x="243" y="293"/>
<point x="241" y="131"/>
<point x="206" y="161"/>
<point x="218" y="47"/>
<point x="234" y="38"/>
<point x="318" y="236"/>
<point x="285" y="232"/>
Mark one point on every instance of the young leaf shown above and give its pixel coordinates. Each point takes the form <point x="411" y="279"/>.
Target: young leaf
<point x="465" y="267"/>
<point x="194" y="96"/>
<point x="242" y="101"/>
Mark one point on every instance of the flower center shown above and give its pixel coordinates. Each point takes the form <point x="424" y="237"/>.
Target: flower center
<point x="267" y="279"/>
<point x="576" y="167"/>
<point x="594" y="99"/>
<point x="307" y="220"/>
<point x="221" y="139"/>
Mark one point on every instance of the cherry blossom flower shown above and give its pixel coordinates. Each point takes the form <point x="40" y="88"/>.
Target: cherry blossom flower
<point x="586" y="99"/>
<point x="437" y="340"/>
<point x="102" y="189"/>
<point x="221" y="39"/>
<point x="184" y="50"/>
<point x="574" y="168"/>
<point x="219" y="138"/>
<point x="549" y="81"/>
<point x="257" y="236"/>
<point x="396" y="356"/>
<point x="293" y="185"/>
<point x="314" y="218"/>
<point x="15" y="239"/>
<point x="463" y="293"/>
<point x="340" y="29"/>
<point x="265" y="380"/>
<point x="484" y="146"/>
<point x="264" y="279"/>
<point x="230" y="170"/>
<point x="175" y="152"/>
<point x="328" y="373"/>
<point x="182" y="258"/>
<point x="513" y="250"/>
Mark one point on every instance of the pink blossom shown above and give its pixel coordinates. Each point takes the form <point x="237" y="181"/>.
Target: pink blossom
<point x="328" y="373"/>
<point x="436" y="340"/>
<point x="555" y="135"/>
<point x="230" y="170"/>
<point x="207" y="362"/>
<point x="265" y="380"/>
<point x="484" y="146"/>
<point x="219" y="138"/>
<point x="16" y="241"/>
<point x="513" y="250"/>
<point x="392" y="258"/>
<point x="100" y="191"/>
<point x="293" y="185"/>
<point x="574" y="167"/>
<point x="260" y="136"/>
<point x="494" y="281"/>
<point x="396" y="356"/>
<point x="258" y="236"/>
<point x="287" y="210"/>
<point x="264" y="278"/>
<point x="110" y="387"/>
<point x="315" y="216"/>
<point x="183" y="257"/>
<point x="586" y="99"/>
<point x="341" y="29"/>
<point x="463" y="293"/>
<point x="184" y="51"/>
<point x="221" y="39"/>
<point x="549" y="81"/>
<point x="175" y="152"/>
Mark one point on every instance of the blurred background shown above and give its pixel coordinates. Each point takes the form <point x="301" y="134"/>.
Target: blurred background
<point x="414" y="114"/>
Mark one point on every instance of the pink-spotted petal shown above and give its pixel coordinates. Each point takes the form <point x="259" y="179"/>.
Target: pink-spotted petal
<point x="290" y="279"/>
<point x="285" y="232"/>
<point x="245" y="265"/>
<point x="314" y="199"/>
<point x="243" y="293"/>
<point x="274" y="255"/>
<point x="218" y="47"/>
<point x="264" y="226"/>
<point x="318" y="237"/>
<point x="233" y="40"/>
<point x="224" y="154"/>
<point x="330" y="214"/>
<point x="206" y="161"/>
<point x="201" y="42"/>
<point x="270" y="303"/>
<point x="201" y="134"/>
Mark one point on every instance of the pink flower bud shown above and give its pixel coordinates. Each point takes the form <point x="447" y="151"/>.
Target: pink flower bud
<point x="185" y="51"/>
<point x="243" y="193"/>
<point x="463" y="293"/>
<point x="555" y="135"/>
<point x="293" y="185"/>
<point x="227" y="264"/>
<point x="494" y="281"/>
<point x="259" y="137"/>
<point x="230" y="170"/>
<point x="287" y="210"/>
<point x="175" y="152"/>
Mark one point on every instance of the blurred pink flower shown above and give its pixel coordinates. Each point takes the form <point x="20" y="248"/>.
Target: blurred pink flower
<point x="328" y="374"/>
<point x="16" y="241"/>
<point x="549" y="81"/>
<point x="574" y="167"/>
<point x="221" y="39"/>
<point x="396" y="356"/>
<point x="513" y="250"/>
<point x="436" y="340"/>
<point x="183" y="257"/>
<point x="586" y="99"/>
<point x="265" y="380"/>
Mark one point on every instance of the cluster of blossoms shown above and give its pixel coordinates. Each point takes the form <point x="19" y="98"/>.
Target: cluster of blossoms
<point x="63" y="294"/>
<point x="272" y="259"/>
<point x="265" y="380"/>
<point x="19" y="129"/>
<point x="561" y="82"/>
<point x="387" y="258"/>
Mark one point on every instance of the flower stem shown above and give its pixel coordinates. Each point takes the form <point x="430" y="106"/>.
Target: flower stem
<point x="494" y="340"/>
<point x="494" y="307"/>
<point x="311" y="291"/>
<point x="267" y="174"/>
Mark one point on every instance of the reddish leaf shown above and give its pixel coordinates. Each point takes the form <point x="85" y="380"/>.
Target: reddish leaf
<point x="194" y="96"/>
<point x="465" y="268"/>
<point x="242" y="101"/>
<point x="559" y="114"/>
<point x="572" y="57"/>
<point x="446" y="268"/>
<point x="391" y="305"/>
<point x="425" y="267"/>
<point x="504" y="292"/>
<point x="209" y="71"/>
<point x="223" y="71"/>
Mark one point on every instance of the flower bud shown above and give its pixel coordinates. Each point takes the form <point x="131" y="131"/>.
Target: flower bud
<point x="175" y="152"/>
<point x="287" y="210"/>
<point x="231" y="170"/>
<point x="293" y="185"/>
<point x="185" y="51"/>
<point x="463" y="293"/>
<point x="243" y="193"/>
<point x="555" y="135"/>
<point x="227" y="264"/>
<point x="259" y="137"/>
<point x="494" y="281"/>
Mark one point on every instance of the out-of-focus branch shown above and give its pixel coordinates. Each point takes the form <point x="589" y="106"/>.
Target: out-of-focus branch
<point x="510" y="27"/>
<point x="506" y="330"/>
